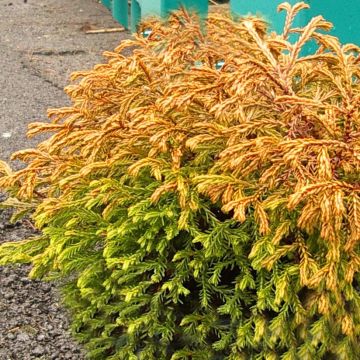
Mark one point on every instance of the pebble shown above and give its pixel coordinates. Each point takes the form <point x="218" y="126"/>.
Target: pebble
<point x="54" y="356"/>
<point x="9" y="295"/>
<point x="46" y="288"/>
<point x="25" y="280"/>
<point x="11" y="336"/>
<point x="22" y="337"/>
<point x="40" y="337"/>
<point x="9" y="280"/>
<point x="38" y="350"/>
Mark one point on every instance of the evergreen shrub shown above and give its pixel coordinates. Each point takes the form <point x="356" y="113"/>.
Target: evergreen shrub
<point x="200" y="199"/>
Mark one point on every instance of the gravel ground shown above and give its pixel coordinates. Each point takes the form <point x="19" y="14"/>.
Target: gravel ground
<point x="32" y="323"/>
<point x="41" y="43"/>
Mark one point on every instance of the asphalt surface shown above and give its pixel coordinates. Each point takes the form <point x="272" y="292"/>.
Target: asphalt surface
<point x="41" y="43"/>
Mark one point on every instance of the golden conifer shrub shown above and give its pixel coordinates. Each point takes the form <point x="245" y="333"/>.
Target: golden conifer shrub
<point x="200" y="199"/>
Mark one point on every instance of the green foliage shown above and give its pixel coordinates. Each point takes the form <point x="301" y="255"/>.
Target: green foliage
<point x="200" y="212"/>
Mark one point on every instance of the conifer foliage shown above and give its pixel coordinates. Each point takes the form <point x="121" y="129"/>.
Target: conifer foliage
<point x="200" y="199"/>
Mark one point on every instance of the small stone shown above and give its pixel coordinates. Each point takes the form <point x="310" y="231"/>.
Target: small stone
<point x="23" y="337"/>
<point x="56" y="333"/>
<point x="11" y="336"/>
<point x="39" y="350"/>
<point x="6" y="135"/>
<point x="10" y="279"/>
<point x="40" y="337"/>
<point x="54" y="356"/>
<point x="46" y="288"/>
<point x="9" y="295"/>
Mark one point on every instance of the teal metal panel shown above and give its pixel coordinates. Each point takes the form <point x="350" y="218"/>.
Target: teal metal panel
<point x="143" y="8"/>
<point x="135" y="15"/>
<point x="266" y="9"/>
<point x="150" y="7"/>
<point x="343" y="14"/>
<point x="120" y="12"/>
<point x="170" y="5"/>
<point x="200" y="6"/>
<point x="106" y="3"/>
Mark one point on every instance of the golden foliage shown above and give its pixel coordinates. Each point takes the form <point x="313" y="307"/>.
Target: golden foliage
<point x="241" y="116"/>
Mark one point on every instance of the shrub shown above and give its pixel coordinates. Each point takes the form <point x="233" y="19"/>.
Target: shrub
<point x="200" y="199"/>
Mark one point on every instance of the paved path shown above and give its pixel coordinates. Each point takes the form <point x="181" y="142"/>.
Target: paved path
<point x="41" y="43"/>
